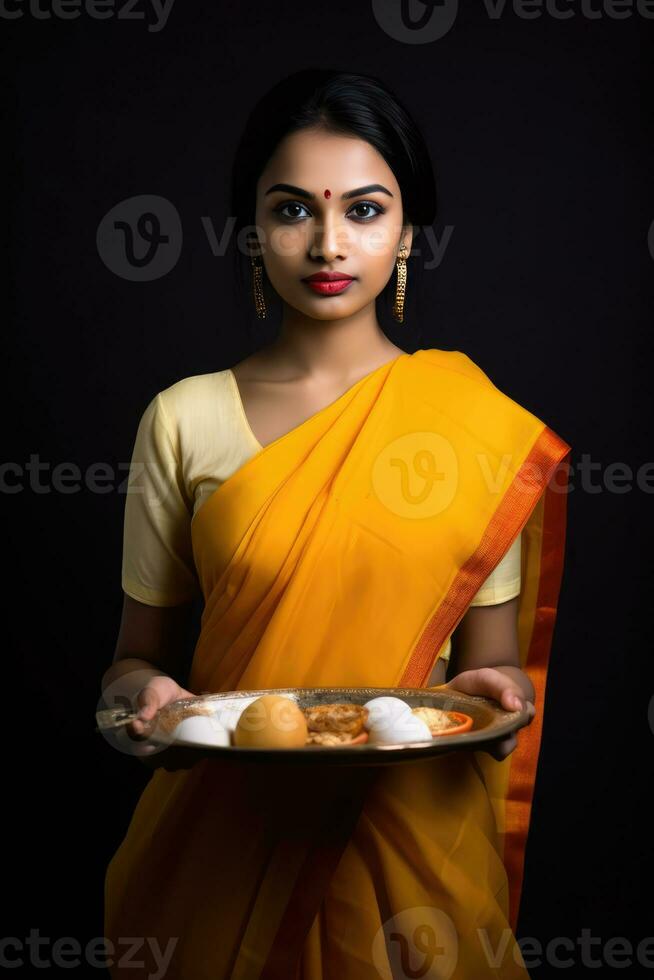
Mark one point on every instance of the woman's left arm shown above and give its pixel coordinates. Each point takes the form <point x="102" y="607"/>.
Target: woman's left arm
<point x="487" y="663"/>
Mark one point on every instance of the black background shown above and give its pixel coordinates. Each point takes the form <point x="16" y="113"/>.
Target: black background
<point x="540" y="133"/>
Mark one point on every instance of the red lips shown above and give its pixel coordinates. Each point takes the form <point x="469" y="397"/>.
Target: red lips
<point x="329" y="283"/>
<point x="327" y="277"/>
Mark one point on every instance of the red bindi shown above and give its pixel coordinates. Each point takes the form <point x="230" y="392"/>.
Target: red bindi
<point x="328" y="193"/>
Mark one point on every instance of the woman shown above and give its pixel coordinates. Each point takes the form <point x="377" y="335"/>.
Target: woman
<point x="342" y="506"/>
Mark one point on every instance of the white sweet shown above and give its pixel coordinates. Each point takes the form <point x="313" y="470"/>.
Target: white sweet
<point x="382" y="710"/>
<point x="201" y="730"/>
<point x="404" y="728"/>
<point x="393" y="705"/>
<point x="390" y="720"/>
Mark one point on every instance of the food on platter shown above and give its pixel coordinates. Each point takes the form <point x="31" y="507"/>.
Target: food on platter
<point x="275" y="721"/>
<point x="170" y="716"/>
<point x="346" y="718"/>
<point x="200" y="728"/>
<point x="336" y="724"/>
<point x="271" y="722"/>
<point x="391" y="721"/>
<point x="336" y="738"/>
<point x="442" y="722"/>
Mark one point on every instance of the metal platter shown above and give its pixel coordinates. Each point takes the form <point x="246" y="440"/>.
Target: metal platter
<point x="490" y="722"/>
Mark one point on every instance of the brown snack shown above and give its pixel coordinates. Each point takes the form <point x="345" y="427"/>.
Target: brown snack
<point x="327" y="738"/>
<point x="335" y="738"/>
<point x="345" y="718"/>
<point x="435" y="719"/>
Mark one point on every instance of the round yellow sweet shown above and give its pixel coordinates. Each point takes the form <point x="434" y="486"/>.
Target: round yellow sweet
<point x="271" y="722"/>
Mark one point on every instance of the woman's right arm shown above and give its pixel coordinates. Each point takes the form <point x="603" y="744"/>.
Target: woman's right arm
<point x="150" y="659"/>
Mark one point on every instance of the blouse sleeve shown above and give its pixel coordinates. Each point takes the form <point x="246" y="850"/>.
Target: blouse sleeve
<point x="504" y="581"/>
<point x="157" y="566"/>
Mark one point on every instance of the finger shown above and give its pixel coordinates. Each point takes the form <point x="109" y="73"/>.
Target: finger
<point x="490" y="683"/>
<point x="138" y="730"/>
<point x="143" y="727"/>
<point x="512" y="699"/>
<point x="527" y="720"/>
<point x="148" y="704"/>
<point x="135" y="727"/>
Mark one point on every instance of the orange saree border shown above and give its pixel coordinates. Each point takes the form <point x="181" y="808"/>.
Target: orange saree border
<point x="505" y="525"/>
<point x="524" y="758"/>
<point x="534" y="485"/>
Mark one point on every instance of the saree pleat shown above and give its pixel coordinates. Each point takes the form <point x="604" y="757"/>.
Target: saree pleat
<point x="343" y="554"/>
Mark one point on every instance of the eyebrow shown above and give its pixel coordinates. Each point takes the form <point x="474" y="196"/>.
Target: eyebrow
<point x="300" y="192"/>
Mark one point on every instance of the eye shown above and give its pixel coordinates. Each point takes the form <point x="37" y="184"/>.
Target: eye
<point x="368" y="204"/>
<point x="290" y="204"/>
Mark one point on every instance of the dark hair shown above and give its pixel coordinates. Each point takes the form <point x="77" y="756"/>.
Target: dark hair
<point x="339" y="102"/>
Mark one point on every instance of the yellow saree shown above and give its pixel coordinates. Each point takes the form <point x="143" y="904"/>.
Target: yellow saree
<point x="344" y="553"/>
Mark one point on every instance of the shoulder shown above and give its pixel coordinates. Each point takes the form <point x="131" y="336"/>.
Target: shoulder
<point x="463" y="386"/>
<point x="201" y="417"/>
<point x="457" y="362"/>
<point x="466" y="377"/>
<point x="192" y="397"/>
<point x="186" y="415"/>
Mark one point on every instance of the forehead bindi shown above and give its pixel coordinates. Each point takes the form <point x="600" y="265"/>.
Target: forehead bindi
<point x="328" y="193"/>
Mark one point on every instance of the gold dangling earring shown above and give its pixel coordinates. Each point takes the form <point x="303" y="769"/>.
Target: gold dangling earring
<point x="259" y="301"/>
<point x="400" y="289"/>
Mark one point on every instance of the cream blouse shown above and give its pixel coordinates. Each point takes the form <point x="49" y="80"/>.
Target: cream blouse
<point x="191" y="437"/>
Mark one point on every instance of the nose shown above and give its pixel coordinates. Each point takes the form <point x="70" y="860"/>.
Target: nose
<point x="329" y="240"/>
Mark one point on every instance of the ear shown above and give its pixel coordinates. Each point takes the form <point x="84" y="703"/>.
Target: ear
<point x="254" y="246"/>
<point x="407" y="237"/>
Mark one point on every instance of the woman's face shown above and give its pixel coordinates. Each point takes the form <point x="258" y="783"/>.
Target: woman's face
<point x="303" y="230"/>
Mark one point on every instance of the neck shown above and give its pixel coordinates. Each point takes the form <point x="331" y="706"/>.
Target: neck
<point x="334" y="348"/>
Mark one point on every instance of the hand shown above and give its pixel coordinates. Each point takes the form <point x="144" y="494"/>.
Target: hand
<point x="491" y="683"/>
<point x="157" y="693"/>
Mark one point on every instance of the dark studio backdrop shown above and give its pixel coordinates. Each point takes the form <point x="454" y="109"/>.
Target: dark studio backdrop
<point x="540" y="133"/>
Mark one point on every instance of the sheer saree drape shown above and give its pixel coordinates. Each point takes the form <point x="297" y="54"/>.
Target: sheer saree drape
<point x="344" y="553"/>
